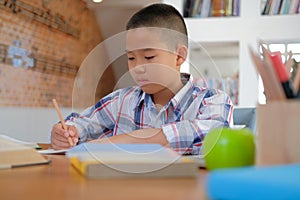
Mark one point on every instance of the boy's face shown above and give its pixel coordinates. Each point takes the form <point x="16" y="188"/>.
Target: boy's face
<point x="151" y="64"/>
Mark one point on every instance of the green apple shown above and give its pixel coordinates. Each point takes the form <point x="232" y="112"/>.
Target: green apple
<point x="226" y="148"/>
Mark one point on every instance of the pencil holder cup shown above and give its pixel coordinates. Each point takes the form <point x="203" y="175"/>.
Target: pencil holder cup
<point x="278" y="133"/>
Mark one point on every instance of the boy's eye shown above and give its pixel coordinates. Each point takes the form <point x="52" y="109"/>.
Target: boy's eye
<point x="149" y="57"/>
<point x="130" y="58"/>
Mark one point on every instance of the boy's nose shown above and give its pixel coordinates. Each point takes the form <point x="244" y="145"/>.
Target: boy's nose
<point x="139" y="69"/>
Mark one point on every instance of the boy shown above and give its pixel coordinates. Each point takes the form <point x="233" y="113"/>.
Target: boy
<point x="166" y="107"/>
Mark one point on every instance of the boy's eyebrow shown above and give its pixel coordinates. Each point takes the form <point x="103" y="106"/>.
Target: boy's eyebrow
<point x="145" y="49"/>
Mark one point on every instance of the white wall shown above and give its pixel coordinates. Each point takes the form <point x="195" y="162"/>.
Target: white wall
<point x="214" y="60"/>
<point x="29" y="124"/>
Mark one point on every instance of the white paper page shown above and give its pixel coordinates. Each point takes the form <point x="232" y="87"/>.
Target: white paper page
<point x="28" y="144"/>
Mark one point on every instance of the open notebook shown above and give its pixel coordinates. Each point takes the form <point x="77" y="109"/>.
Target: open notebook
<point x="14" y="154"/>
<point x="14" y="140"/>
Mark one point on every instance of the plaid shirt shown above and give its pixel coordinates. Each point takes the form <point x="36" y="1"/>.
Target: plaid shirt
<point x="185" y="119"/>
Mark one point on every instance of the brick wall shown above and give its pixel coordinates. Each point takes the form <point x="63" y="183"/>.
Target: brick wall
<point x="56" y="51"/>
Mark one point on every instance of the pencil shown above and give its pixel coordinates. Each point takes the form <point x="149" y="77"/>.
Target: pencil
<point x="62" y="120"/>
<point x="297" y="80"/>
<point x="273" y="90"/>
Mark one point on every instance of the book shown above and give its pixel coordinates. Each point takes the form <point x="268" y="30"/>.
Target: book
<point x="275" y="7"/>
<point x="29" y="144"/>
<point x="130" y="160"/>
<point x="197" y="8"/>
<point x="270" y="182"/>
<point x="188" y="8"/>
<point x="205" y="8"/>
<point x="13" y="154"/>
<point x="294" y="6"/>
<point x="228" y="7"/>
<point x="285" y="7"/>
<point x="236" y="8"/>
<point x="267" y="7"/>
<point x="218" y="8"/>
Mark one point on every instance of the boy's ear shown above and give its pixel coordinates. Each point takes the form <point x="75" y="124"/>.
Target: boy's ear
<point x="182" y="52"/>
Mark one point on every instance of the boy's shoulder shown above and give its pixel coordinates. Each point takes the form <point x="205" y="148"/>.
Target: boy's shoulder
<point x="127" y="91"/>
<point x="119" y="96"/>
<point x="201" y="87"/>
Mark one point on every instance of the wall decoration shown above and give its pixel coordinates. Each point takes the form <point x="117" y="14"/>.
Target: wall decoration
<point x="57" y="55"/>
<point x="43" y="16"/>
<point x="19" y="57"/>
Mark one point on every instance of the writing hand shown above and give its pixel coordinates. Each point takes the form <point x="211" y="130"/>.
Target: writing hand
<point x="59" y="136"/>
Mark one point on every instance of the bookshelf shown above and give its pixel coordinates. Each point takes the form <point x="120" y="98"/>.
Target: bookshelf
<point x="210" y="8"/>
<point x="280" y="7"/>
<point x="245" y="30"/>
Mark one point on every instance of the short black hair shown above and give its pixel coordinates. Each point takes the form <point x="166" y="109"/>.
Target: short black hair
<point x="161" y="16"/>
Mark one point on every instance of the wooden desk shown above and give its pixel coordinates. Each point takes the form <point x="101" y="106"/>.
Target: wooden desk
<point x="58" y="180"/>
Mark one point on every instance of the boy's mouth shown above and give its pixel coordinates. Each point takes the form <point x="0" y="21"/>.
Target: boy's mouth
<point x="142" y="82"/>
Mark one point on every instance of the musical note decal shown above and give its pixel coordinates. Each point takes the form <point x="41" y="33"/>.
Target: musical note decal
<point x="18" y="57"/>
<point x="44" y="16"/>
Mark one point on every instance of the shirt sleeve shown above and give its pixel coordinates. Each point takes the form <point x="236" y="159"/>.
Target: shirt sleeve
<point x="96" y="121"/>
<point x="186" y="136"/>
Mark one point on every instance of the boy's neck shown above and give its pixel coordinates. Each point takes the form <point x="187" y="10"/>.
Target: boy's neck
<point x="162" y="98"/>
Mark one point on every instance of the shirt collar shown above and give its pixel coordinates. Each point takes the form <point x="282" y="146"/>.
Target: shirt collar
<point x="183" y="91"/>
<point x="144" y="98"/>
<point x="187" y="79"/>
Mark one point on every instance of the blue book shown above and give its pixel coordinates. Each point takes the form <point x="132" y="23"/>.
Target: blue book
<point x="272" y="182"/>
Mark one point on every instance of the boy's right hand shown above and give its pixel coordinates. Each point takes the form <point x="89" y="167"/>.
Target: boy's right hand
<point x="59" y="136"/>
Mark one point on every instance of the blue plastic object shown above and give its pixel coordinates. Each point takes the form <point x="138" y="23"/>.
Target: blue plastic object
<point x="272" y="182"/>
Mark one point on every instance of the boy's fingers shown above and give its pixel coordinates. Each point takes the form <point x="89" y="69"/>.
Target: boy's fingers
<point x="59" y="142"/>
<point x="71" y="133"/>
<point x="59" y="136"/>
<point x="73" y="130"/>
<point x="60" y="145"/>
<point x="75" y="140"/>
<point x="66" y="134"/>
<point x="58" y="129"/>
